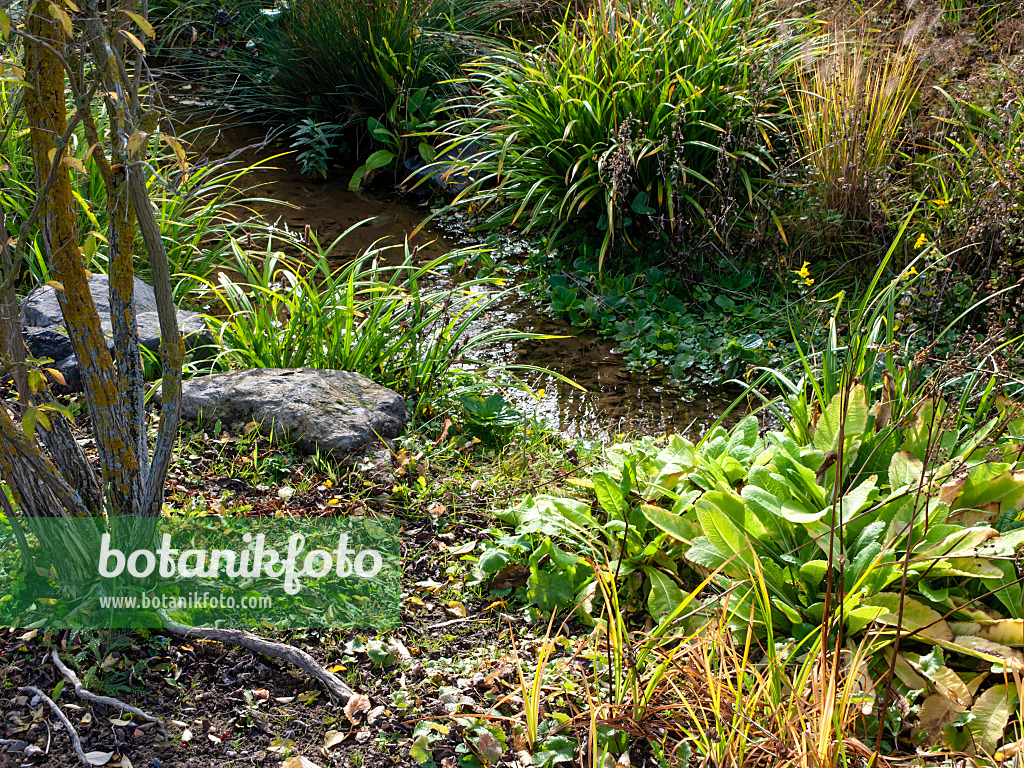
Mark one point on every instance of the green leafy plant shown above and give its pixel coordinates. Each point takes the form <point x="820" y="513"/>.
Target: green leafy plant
<point x="616" y="124"/>
<point x="317" y="141"/>
<point x="364" y="316"/>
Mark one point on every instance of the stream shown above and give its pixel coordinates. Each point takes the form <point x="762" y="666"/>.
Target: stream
<point x="613" y="400"/>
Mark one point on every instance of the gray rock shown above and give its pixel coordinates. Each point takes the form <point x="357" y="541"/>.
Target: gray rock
<point x="336" y="411"/>
<point x="43" y="325"/>
<point x="444" y="174"/>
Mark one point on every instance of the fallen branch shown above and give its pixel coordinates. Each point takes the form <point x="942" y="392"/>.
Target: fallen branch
<point x="72" y="733"/>
<point x="294" y="656"/>
<point x="110" y="701"/>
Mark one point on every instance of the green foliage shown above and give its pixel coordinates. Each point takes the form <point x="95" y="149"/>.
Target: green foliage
<point x="197" y="208"/>
<point x="349" y="60"/>
<point x="316" y="141"/>
<point x="619" y="123"/>
<point x="364" y="316"/>
<point x="703" y="334"/>
<point x="974" y="182"/>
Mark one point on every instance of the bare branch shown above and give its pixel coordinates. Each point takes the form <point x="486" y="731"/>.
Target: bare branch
<point x="72" y="733"/>
<point x="109" y="701"/>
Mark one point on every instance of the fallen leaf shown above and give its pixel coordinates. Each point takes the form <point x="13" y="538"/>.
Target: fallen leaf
<point x="299" y="761"/>
<point x="358" y="703"/>
<point x="98" y="758"/>
<point x="333" y="738"/>
<point x="510" y="577"/>
<point x="186" y="735"/>
<point x="280" y="746"/>
<point x="261" y="694"/>
<point x="455" y="608"/>
<point x="490" y="748"/>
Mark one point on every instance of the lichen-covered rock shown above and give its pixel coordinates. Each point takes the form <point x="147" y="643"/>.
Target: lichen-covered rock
<point x="43" y="325"/>
<point x="336" y="411"/>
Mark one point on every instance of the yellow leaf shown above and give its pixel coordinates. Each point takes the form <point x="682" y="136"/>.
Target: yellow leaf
<point x="75" y="163"/>
<point x="179" y="152"/>
<point x="72" y="6"/>
<point x="62" y="16"/>
<point x="51" y="154"/>
<point x="456" y="609"/>
<point x="134" y="41"/>
<point x="135" y="141"/>
<point x="56" y="285"/>
<point x="5" y="26"/>
<point x="144" y="25"/>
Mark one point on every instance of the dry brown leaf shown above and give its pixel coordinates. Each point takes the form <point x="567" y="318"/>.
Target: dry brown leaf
<point x="358" y="703"/>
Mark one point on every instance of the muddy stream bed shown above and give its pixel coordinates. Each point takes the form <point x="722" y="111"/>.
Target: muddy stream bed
<point x="612" y="401"/>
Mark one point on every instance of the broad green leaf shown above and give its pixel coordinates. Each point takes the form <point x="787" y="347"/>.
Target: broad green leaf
<point x="378" y="159"/>
<point x="986" y="485"/>
<point x="674" y="525"/>
<point x="609" y="495"/>
<point x="703" y="553"/>
<point x="814" y="571"/>
<point x="849" y="418"/>
<point x="722" y="532"/>
<point x="905" y="470"/>
<point x="795" y="513"/>
<point x="664" y="596"/>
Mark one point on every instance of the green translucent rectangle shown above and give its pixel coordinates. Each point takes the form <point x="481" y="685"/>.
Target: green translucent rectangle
<point x="211" y="571"/>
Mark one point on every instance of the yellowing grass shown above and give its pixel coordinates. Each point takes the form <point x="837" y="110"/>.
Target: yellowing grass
<point x="850" y="102"/>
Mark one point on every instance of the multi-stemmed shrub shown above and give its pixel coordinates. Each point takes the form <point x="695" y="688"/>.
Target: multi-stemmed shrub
<point x="618" y="126"/>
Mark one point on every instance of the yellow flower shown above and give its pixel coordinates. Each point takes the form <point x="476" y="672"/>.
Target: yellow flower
<point x="912" y="271"/>
<point x="921" y="240"/>
<point x="803" y="271"/>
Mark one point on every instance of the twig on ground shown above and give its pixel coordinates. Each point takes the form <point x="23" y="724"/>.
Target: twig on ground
<point x="294" y="656"/>
<point x="450" y="622"/>
<point x="110" y="701"/>
<point x="72" y="733"/>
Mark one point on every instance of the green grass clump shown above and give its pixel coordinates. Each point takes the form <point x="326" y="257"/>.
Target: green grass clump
<point x="619" y="124"/>
<point x="350" y="61"/>
<point x="367" y="316"/>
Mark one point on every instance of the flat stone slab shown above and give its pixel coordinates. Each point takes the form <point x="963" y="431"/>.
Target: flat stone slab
<point x="45" y="336"/>
<point x="336" y="411"/>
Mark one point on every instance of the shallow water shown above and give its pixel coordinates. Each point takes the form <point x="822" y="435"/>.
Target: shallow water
<point x="612" y="400"/>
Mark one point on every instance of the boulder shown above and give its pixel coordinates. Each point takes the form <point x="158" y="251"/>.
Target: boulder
<point x="444" y="174"/>
<point x="43" y="325"/>
<point x="339" y="412"/>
